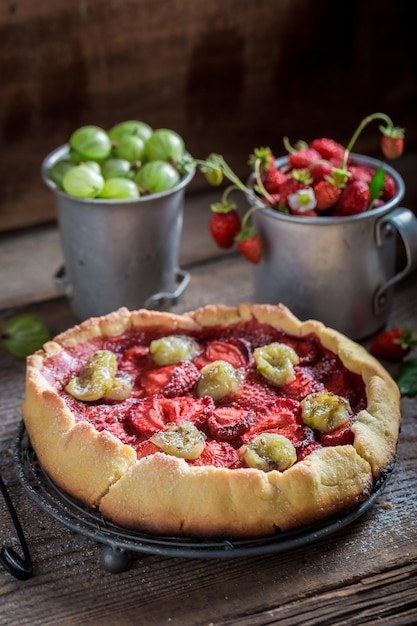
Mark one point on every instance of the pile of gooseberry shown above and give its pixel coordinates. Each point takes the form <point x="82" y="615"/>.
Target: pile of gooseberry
<point x="124" y="163"/>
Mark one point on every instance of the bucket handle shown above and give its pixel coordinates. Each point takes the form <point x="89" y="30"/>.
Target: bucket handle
<point x="157" y="300"/>
<point x="164" y="298"/>
<point x="405" y="222"/>
<point x="62" y="282"/>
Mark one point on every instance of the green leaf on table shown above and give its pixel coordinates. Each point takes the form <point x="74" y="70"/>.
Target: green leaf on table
<point x="407" y="377"/>
<point x="376" y="184"/>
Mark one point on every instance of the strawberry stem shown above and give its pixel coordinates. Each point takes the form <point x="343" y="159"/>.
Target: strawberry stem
<point x="366" y="120"/>
<point x="257" y="169"/>
<point x="227" y="192"/>
<point x="248" y="215"/>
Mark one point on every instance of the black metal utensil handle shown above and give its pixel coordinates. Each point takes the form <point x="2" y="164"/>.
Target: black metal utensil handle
<point x="21" y="568"/>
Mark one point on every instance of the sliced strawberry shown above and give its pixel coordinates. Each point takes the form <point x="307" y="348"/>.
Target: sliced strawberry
<point x="171" y="380"/>
<point x="219" y="454"/>
<point x="134" y="358"/>
<point x="255" y="395"/>
<point x="229" y="422"/>
<point x="336" y="382"/>
<point x="146" y="448"/>
<point x="342" y="436"/>
<point x="306" y="443"/>
<point x="302" y="386"/>
<point x="148" y="417"/>
<point x="118" y="429"/>
<point x="187" y="409"/>
<point x="279" y="416"/>
<point x="223" y="351"/>
<point x="151" y="415"/>
<point x="307" y="349"/>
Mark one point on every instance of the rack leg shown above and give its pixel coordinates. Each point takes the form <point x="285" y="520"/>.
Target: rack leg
<point x="114" y="559"/>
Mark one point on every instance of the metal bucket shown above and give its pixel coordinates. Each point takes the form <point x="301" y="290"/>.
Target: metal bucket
<point x="339" y="270"/>
<point x="119" y="252"/>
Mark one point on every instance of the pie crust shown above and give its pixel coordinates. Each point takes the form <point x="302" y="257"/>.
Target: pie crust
<point x="164" y="494"/>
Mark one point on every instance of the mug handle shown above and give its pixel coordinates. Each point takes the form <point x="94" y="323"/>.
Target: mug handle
<point x="165" y="298"/>
<point x="405" y="222"/>
<point x="156" y="301"/>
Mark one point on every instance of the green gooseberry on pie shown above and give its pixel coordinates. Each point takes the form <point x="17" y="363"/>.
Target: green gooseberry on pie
<point x="275" y="362"/>
<point x="325" y="411"/>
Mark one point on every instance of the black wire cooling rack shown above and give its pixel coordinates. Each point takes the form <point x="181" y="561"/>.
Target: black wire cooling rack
<point x="121" y="544"/>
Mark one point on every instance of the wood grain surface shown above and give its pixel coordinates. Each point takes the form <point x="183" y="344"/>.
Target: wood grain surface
<point x="227" y="75"/>
<point x="363" y="574"/>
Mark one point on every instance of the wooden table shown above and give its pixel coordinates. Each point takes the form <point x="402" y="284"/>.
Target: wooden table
<point x="365" y="573"/>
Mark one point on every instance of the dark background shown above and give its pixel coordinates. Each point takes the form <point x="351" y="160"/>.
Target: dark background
<point x="228" y="75"/>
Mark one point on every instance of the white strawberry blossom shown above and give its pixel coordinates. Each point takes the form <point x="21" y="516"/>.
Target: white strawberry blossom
<point x="303" y="200"/>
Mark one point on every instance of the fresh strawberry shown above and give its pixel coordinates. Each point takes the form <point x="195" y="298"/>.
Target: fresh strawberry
<point x="319" y="171"/>
<point x="328" y="148"/>
<point x="327" y="194"/>
<point x="261" y="158"/>
<point x="360" y="173"/>
<point x="304" y="213"/>
<point x="289" y="187"/>
<point x="378" y="202"/>
<point x="392" y="142"/>
<point x="272" y="179"/>
<point x="303" y="158"/>
<point x="393" y="344"/>
<point x="336" y="161"/>
<point x="389" y="189"/>
<point x="275" y="199"/>
<point x="355" y="198"/>
<point x="250" y="246"/>
<point x="224" y="227"/>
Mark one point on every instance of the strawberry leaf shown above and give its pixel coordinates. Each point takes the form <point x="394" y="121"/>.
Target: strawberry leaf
<point x="407" y="378"/>
<point x="223" y="207"/>
<point x="376" y="184"/>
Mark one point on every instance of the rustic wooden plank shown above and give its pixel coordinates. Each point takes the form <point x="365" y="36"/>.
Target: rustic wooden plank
<point x="226" y="78"/>
<point x="343" y="577"/>
<point x="357" y="604"/>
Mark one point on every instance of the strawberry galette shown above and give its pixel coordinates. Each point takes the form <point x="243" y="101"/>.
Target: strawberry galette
<point x="223" y="422"/>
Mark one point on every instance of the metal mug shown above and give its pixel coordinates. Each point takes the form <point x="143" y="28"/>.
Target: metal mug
<point x="119" y="252"/>
<point x="339" y="270"/>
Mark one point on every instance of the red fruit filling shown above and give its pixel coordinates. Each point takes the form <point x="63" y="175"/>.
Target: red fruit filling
<point x="168" y="394"/>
